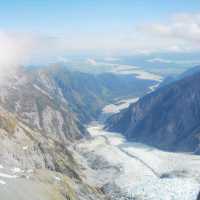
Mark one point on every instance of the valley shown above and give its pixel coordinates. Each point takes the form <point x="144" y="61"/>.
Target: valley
<point x="99" y="100"/>
<point x="57" y="145"/>
<point x="140" y="171"/>
<point x="43" y="113"/>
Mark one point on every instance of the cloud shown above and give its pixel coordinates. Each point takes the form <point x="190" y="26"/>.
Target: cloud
<point x="25" y="48"/>
<point x="167" y="61"/>
<point x="159" y="60"/>
<point x="19" y="49"/>
<point x="13" y="49"/>
<point x="181" y="33"/>
<point x="111" y="59"/>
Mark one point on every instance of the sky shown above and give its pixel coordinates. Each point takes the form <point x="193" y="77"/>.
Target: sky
<point x="37" y="29"/>
<point x="63" y="16"/>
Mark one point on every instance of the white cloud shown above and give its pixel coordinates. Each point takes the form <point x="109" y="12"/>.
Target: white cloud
<point x="18" y="49"/>
<point x="13" y="49"/>
<point x="180" y="34"/>
<point x="159" y="60"/>
<point x="24" y="48"/>
<point x="111" y="59"/>
<point x="167" y="61"/>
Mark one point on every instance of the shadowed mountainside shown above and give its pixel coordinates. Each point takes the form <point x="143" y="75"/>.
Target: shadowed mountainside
<point x="168" y="118"/>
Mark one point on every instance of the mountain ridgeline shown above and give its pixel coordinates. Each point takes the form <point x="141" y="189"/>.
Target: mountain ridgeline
<point x="43" y="112"/>
<point x="58" y="101"/>
<point x="168" y="118"/>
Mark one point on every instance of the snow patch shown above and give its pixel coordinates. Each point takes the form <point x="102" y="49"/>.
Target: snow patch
<point x="41" y="90"/>
<point x="3" y="175"/>
<point x="153" y="87"/>
<point x="16" y="170"/>
<point x="25" y="147"/>
<point x="120" y="105"/>
<point x="2" y="182"/>
<point x="57" y="178"/>
<point x="30" y="171"/>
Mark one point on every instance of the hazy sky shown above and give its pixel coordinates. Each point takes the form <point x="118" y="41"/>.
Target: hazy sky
<point x="50" y="28"/>
<point x="84" y="16"/>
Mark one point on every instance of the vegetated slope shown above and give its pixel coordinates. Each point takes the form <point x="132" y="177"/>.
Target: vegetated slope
<point x="168" y="118"/>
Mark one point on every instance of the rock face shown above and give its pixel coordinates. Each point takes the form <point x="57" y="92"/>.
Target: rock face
<point x="198" y="198"/>
<point x="43" y="166"/>
<point x="42" y="112"/>
<point x="40" y="105"/>
<point x="168" y="118"/>
<point x="37" y="131"/>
